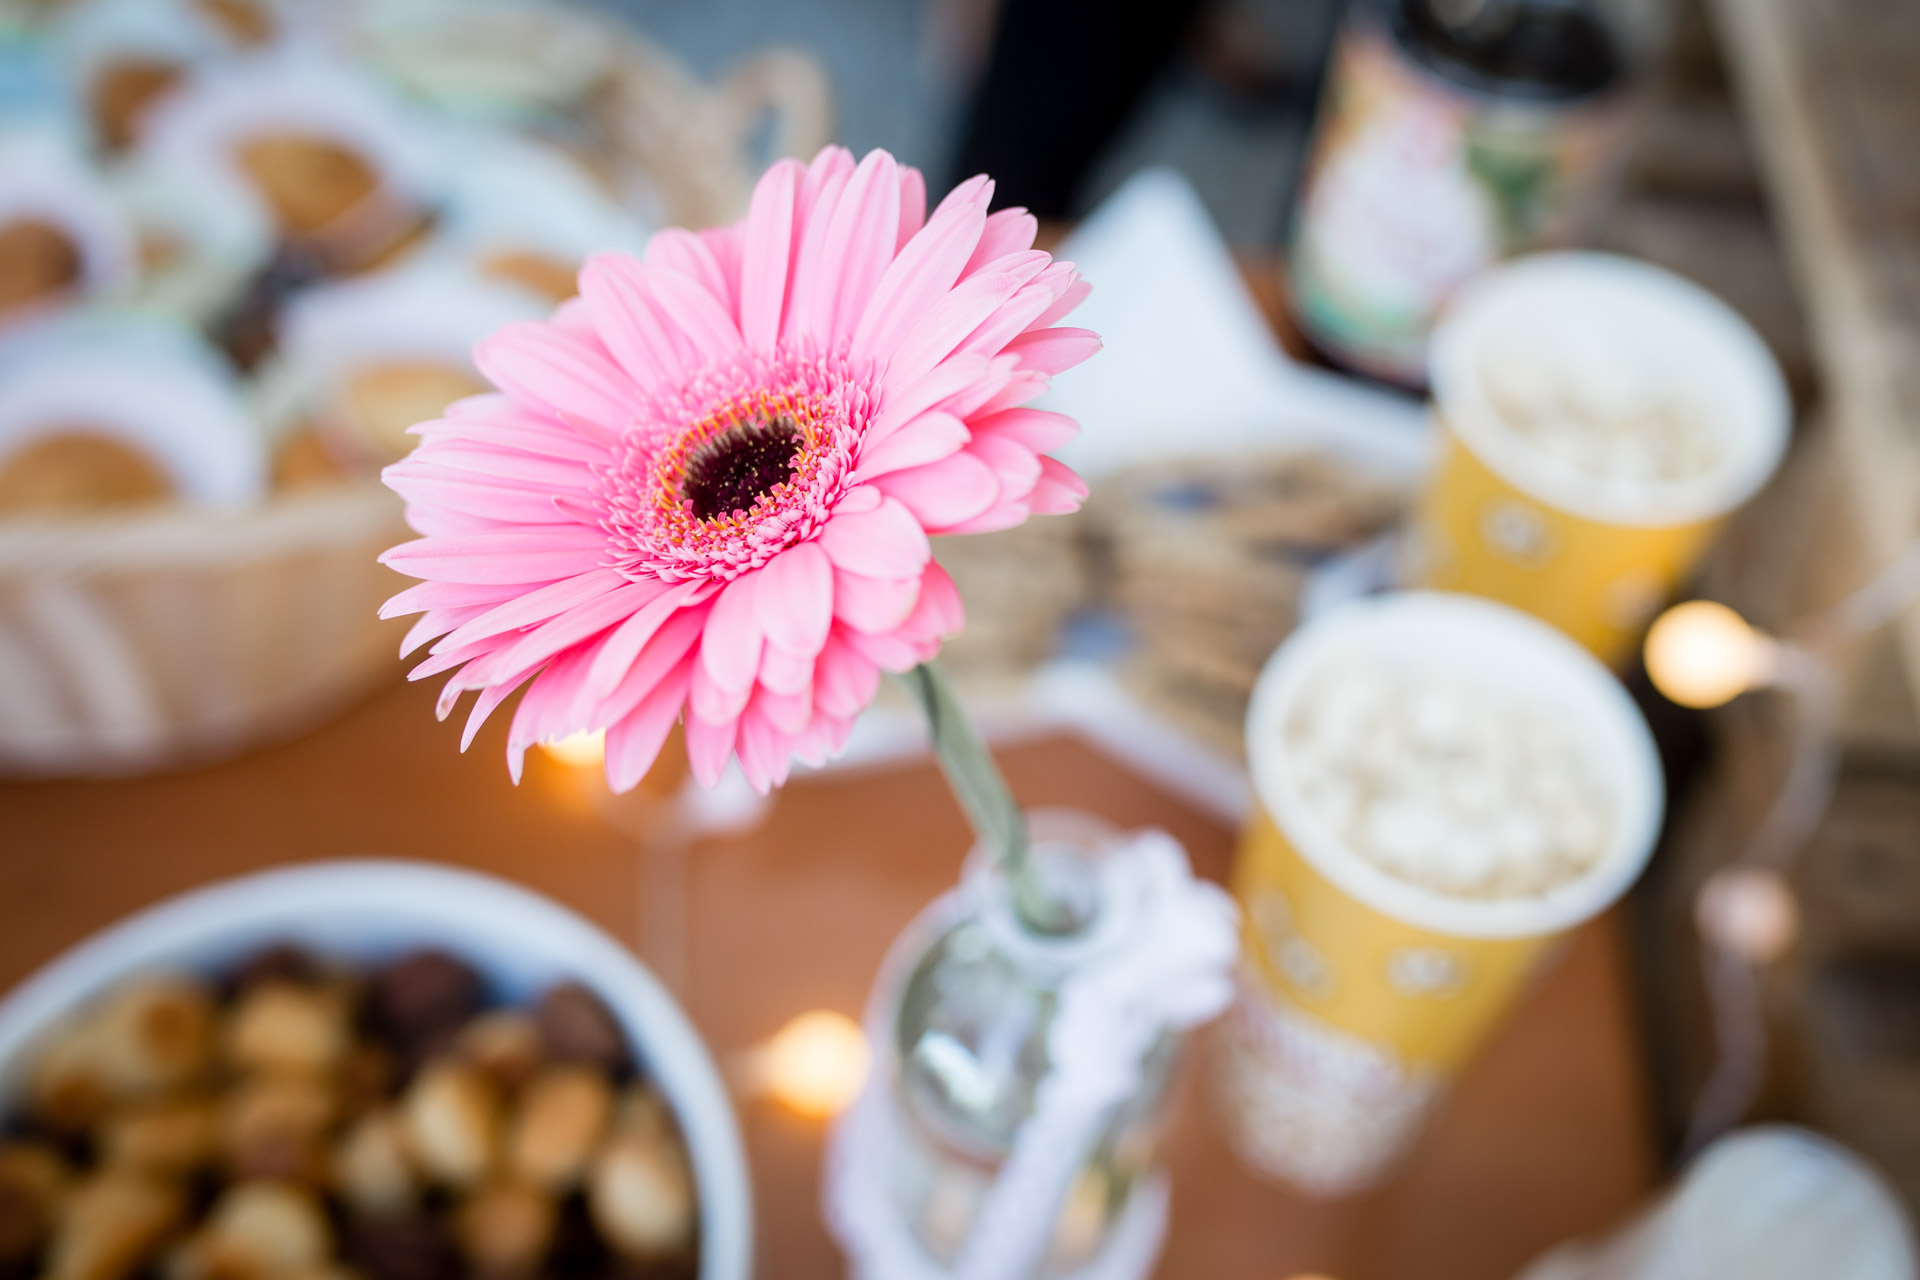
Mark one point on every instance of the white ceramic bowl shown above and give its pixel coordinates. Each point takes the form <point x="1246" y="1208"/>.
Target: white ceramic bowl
<point x="367" y="911"/>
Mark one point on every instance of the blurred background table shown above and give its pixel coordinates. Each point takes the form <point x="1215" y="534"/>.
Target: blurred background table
<point x="1548" y="1136"/>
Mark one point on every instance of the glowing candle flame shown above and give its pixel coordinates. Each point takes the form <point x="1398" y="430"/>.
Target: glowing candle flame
<point x="1702" y="654"/>
<point x="1750" y="912"/>
<point x="580" y="750"/>
<point x="815" y="1065"/>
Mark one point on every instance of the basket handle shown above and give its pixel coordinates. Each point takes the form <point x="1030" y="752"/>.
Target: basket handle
<point x="792" y="86"/>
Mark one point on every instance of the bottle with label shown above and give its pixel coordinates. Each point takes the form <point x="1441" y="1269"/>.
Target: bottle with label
<point x="1453" y="134"/>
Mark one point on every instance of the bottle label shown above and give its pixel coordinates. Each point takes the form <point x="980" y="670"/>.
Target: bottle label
<point x="1416" y="185"/>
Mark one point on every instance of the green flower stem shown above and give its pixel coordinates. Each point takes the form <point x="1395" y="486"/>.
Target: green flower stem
<point x="982" y="791"/>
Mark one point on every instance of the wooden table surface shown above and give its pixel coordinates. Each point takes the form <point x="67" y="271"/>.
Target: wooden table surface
<point x="1547" y="1136"/>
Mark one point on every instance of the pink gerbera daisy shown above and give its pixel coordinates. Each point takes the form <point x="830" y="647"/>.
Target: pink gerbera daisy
<point x="704" y="489"/>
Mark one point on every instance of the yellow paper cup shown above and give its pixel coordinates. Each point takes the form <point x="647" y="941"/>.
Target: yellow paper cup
<point x="1362" y="993"/>
<point x="1503" y="519"/>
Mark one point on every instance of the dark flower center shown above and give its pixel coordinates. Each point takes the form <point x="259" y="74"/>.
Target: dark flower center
<point x="731" y="471"/>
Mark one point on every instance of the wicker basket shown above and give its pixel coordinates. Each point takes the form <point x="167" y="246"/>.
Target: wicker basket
<point x="151" y="639"/>
<point x="132" y="643"/>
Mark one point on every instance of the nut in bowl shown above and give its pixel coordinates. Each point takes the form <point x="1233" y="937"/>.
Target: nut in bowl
<point x="361" y="1069"/>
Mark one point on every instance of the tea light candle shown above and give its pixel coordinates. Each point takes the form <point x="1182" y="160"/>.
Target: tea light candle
<point x="1701" y="654"/>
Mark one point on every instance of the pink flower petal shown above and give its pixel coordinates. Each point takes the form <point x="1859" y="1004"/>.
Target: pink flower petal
<point x="1001" y="515"/>
<point x="465" y="462"/>
<point x="1008" y="231"/>
<point x="446" y="659"/>
<point x="1022" y="387"/>
<point x="812" y="746"/>
<point x="764" y="748"/>
<point x="549" y="709"/>
<point x="497" y="422"/>
<point x="1037" y="430"/>
<point x="491" y="503"/>
<point x="886" y="542"/>
<point x="710" y="702"/>
<point x="548" y="441"/>
<point x="1014" y="465"/>
<point x="518" y="555"/>
<point x="1058" y="491"/>
<point x="788" y="712"/>
<point x="708" y="746"/>
<point x="944" y="493"/>
<point x="440" y="595"/>
<point x="634" y="743"/>
<point x="767" y="255"/>
<point x="891" y="650"/>
<point x="859" y="245"/>
<point x="928" y="438"/>
<point x="945" y="325"/>
<point x="728" y="247"/>
<point x="923" y="273"/>
<point x="581" y="623"/>
<point x="484" y="706"/>
<point x="832" y="162"/>
<point x="873" y="604"/>
<point x="687" y="253"/>
<point x="785" y="672"/>
<point x="845" y="679"/>
<point x="965" y="403"/>
<point x="913" y="205"/>
<point x="825" y="737"/>
<point x="670" y="646"/>
<point x="604" y="435"/>
<point x="436" y="622"/>
<point x="939" y="611"/>
<point x="859" y="500"/>
<point x="1031" y="265"/>
<point x="614" y="289"/>
<point x="811" y="294"/>
<point x="730" y="650"/>
<point x="755" y="746"/>
<point x="977" y="190"/>
<point x="624" y="645"/>
<point x="1008" y="321"/>
<point x="556" y="371"/>
<point x="434" y="522"/>
<point x="699" y="314"/>
<point x="1070" y="297"/>
<point x="535" y="607"/>
<point x="1053" y="350"/>
<point x="794" y="599"/>
<point x="901" y="405"/>
<point x="450" y="694"/>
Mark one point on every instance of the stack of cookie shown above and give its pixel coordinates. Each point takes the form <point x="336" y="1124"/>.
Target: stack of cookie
<point x="1205" y="560"/>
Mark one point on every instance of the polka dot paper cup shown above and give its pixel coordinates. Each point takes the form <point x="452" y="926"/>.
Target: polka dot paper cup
<point x="1364" y="987"/>
<point x="1600" y="419"/>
